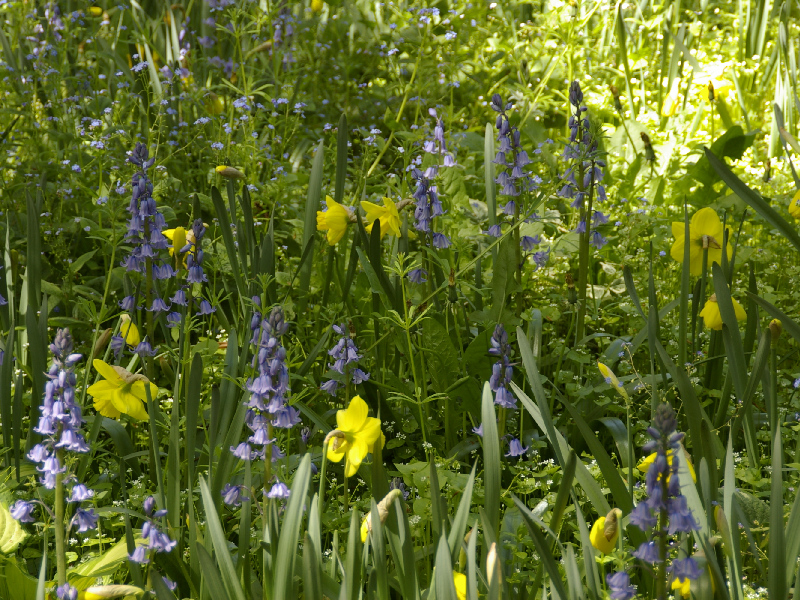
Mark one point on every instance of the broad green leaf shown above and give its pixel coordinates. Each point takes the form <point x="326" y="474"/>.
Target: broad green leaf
<point x="491" y="459"/>
<point x="11" y="532"/>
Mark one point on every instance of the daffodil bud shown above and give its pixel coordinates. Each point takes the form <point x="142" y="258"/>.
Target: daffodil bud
<point x="612" y="380"/>
<point x="775" y="328"/>
<point x="383" y="513"/>
<point x="605" y="531"/>
<point x="103" y="592"/>
<point x="462" y="556"/>
<point x="129" y="331"/>
<point x="724" y="530"/>
<point x="493" y="566"/>
<point x="316" y="5"/>
<point x="711" y="95"/>
<point x="214" y="103"/>
<point x="95" y="11"/>
<point x="102" y="342"/>
<point x="229" y="172"/>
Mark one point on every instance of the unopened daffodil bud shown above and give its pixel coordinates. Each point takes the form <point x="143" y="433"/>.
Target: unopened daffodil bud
<point x="493" y="566"/>
<point x="316" y="5"/>
<point x="775" y="328"/>
<point x="462" y="556"/>
<point x="724" y="530"/>
<point x="104" y="592"/>
<point x="214" y="103"/>
<point x="383" y="513"/>
<point x="129" y="331"/>
<point x="605" y="531"/>
<point x="229" y="172"/>
<point x="612" y="380"/>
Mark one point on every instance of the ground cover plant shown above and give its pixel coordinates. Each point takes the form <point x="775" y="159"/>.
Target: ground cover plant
<point x="399" y="300"/>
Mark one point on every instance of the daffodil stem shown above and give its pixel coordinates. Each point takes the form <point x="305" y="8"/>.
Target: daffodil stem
<point x="701" y="302"/>
<point x="58" y="525"/>
<point x="322" y="481"/>
<point x="346" y="492"/>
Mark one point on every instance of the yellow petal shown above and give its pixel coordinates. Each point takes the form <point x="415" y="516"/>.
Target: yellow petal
<point x="706" y="222"/>
<point x="678" y="229"/>
<point x="354" y="417"/>
<point x="370" y="431"/>
<point x="737" y="308"/>
<point x="102" y="391"/>
<point x="598" y="538"/>
<point x="460" y="581"/>
<point x="683" y="586"/>
<point x="711" y="315"/>
<point x="107" y="371"/>
<point x="676" y="252"/>
<point x="138" y="390"/>
<point x="129" y="331"/>
<point x="339" y="453"/>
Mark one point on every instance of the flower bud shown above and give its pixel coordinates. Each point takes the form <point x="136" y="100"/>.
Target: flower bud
<point x="383" y="513"/>
<point x="493" y="566"/>
<point x="229" y="172"/>
<point x="775" y="328"/>
<point x="102" y="592"/>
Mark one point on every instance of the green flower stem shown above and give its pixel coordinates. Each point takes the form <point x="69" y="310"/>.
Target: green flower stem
<point x="58" y="525"/>
<point x="322" y="480"/>
<point x="583" y="257"/>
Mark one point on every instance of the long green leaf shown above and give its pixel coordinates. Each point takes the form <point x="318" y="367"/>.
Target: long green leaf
<point x="229" y="578"/>
<point x="543" y="550"/>
<point x="777" y="576"/>
<point x="491" y="459"/>
<point x="290" y="530"/>
<point x="754" y="199"/>
<point x="462" y="514"/>
<point x="443" y="580"/>
<point x="310" y="218"/>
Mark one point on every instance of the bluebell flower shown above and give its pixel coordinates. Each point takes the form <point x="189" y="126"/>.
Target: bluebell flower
<point x="515" y="448"/>
<point x="502" y="370"/>
<point x="418" y="276"/>
<point x="66" y="592"/>
<point x="85" y="519"/>
<point x="478" y="430"/>
<point x="528" y="242"/>
<point x="80" y="493"/>
<point x="232" y="495"/>
<point x="279" y="490"/>
<point x="619" y="586"/>
<point x="22" y="511"/>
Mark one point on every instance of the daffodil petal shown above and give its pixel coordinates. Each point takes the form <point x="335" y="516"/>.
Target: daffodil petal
<point x="353" y="418"/>
<point x="106" y="370"/>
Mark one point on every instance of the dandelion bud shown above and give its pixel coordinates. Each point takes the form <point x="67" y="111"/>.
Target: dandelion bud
<point x="775" y="328"/>
<point x="711" y="96"/>
<point x="767" y="171"/>
<point x="229" y="172"/>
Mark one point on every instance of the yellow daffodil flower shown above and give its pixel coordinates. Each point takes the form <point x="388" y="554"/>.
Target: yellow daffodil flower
<point x="648" y="460"/>
<point x="605" y="531"/>
<point x="105" y="592"/>
<point x="361" y="435"/>
<point x="334" y="220"/>
<point x="120" y="392"/>
<point x="129" y="331"/>
<point x="705" y="231"/>
<point x="95" y="11"/>
<point x="386" y="214"/>
<point x="713" y="318"/>
<point x="612" y="380"/>
<point x="683" y="586"/>
<point x="460" y="581"/>
<point x="316" y="5"/>
<point x="794" y="205"/>
<point x="720" y="87"/>
<point x="214" y="103"/>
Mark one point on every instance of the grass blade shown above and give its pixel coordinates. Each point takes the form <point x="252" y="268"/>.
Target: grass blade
<point x="229" y="578"/>
<point x="310" y="218"/>
<point x="287" y="545"/>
